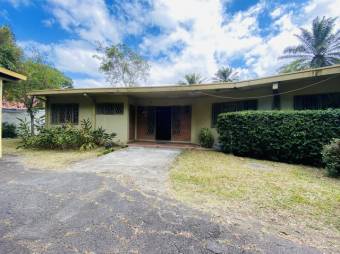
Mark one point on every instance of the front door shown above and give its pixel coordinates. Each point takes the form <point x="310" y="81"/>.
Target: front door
<point x="163" y="123"/>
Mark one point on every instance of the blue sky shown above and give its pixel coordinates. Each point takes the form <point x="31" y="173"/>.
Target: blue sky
<point x="175" y="36"/>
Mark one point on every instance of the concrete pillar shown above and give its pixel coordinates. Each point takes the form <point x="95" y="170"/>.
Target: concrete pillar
<point x="276" y="104"/>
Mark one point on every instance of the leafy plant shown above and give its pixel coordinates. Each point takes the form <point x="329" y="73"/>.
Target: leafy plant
<point x="9" y="130"/>
<point x="288" y="136"/>
<point x="65" y="137"/>
<point x="206" y="138"/>
<point x="331" y="158"/>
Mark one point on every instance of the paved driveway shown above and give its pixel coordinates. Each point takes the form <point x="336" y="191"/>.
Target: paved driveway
<point x="147" y="168"/>
<point x="85" y="209"/>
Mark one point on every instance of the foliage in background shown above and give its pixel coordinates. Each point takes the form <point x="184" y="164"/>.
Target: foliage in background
<point x="8" y="130"/>
<point x="10" y="53"/>
<point x="206" y="138"/>
<point x="288" y="136"/>
<point x="122" y="65"/>
<point x="331" y="158"/>
<point x="292" y="67"/>
<point x="318" y="47"/>
<point x="65" y="137"/>
<point x="192" y="79"/>
<point x="40" y="75"/>
<point x="225" y="74"/>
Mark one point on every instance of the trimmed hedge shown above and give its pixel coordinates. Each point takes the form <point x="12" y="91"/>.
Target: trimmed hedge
<point x="288" y="136"/>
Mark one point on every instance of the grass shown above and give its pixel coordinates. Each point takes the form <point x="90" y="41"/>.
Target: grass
<point x="47" y="159"/>
<point x="297" y="200"/>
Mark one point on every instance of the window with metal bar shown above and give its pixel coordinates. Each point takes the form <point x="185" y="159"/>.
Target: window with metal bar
<point x="64" y="113"/>
<point x="224" y="107"/>
<point x="110" y="108"/>
<point x="317" y="101"/>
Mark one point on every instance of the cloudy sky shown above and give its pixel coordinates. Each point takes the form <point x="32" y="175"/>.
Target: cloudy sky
<point x="175" y="36"/>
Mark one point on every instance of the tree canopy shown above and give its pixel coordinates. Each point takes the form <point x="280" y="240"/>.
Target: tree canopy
<point x="225" y="74"/>
<point x="121" y="65"/>
<point x="191" y="79"/>
<point x="318" y="48"/>
<point x="10" y="53"/>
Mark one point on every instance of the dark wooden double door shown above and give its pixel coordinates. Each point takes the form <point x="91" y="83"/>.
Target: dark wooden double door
<point x="164" y="123"/>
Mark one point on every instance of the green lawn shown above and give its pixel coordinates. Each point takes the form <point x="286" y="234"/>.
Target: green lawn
<point x="47" y="159"/>
<point x="298" y="201"/>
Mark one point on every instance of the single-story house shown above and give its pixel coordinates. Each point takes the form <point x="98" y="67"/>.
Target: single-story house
<point x="6" y="75"/>
<point x="178" y="113"/>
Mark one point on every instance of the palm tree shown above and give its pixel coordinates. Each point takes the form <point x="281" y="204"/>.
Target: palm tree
<point x="319" y="47"/>
<point x="225" y="74"/>
<point x="192" y="79"/>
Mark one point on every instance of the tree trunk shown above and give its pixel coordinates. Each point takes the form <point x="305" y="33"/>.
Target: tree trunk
<point x="30" y="111"/>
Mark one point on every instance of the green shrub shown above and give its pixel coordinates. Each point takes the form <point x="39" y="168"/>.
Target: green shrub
<point x="9" y="130"/>
<point x="65" y="137"/>
<point x="206" y="138"/>
<point x="288" y="136"/>
<point x="331" y="158"/>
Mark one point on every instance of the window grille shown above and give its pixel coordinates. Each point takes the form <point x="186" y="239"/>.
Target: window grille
<point x="64" y="113"/>
<point x="317" y="101"/>
<point x="110" y="108"/>
<point x="224" y="107"/>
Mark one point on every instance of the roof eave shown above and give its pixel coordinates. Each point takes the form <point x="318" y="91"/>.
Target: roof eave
<point x="324" y="71"/>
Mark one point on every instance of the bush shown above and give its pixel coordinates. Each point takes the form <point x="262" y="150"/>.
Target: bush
<point x="9" y="130"/>
<point x="206" y="138"/>
<point x="65" y="137"/>
<point x="288" y="136"/>
<point x="331" y="158"/>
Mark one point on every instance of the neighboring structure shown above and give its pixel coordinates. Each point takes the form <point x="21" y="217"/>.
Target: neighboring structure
<point x="177" y="113"/>
<point x="13" y="111"/>
<point x="6" y="75"/>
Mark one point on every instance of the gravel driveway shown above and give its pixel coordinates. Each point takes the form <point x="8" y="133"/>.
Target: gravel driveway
<point x="85" y="209"/>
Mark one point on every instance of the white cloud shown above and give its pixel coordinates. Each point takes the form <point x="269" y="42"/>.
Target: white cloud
<point x="89" y="19"/>
<point x="195" y="35"/>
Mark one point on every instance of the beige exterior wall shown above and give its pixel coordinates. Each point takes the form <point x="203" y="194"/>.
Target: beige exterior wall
<point x="112" y="123"/>
<point x="201" y="106"/>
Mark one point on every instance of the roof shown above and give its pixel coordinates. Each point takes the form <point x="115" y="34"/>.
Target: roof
<point x="12" y="105"/>
<point x="305" y="74"/>
<point x="10" y="75"/>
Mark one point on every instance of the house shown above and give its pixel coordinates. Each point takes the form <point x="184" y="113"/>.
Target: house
<point x="177" y="113"/>
<point x="6" y="75"/>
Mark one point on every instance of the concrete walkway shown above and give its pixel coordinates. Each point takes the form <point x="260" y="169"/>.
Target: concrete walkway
<point x="147" y="168"/>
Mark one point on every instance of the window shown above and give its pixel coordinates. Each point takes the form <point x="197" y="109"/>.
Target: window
<point x="64" y="113"/>
<point x="224" y="107"/>
<point x="317" y="101"/>
<point x="110" y="108"/>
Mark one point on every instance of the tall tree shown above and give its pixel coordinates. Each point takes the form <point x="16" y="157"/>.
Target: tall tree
<point x="10" y="53"/>
<point x="191" y="79"/>
<point x="39" y="76"/>
<point x="225" y="74"/>
<point x="121" y="65"/>
<point x="318" y="47"/>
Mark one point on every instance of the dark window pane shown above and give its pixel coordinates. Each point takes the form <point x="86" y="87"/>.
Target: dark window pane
<point x="317" y="101"/>
<point x="64" y="113"/>
<point x="110" y="108"/>
<point x="224" y="107"/>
